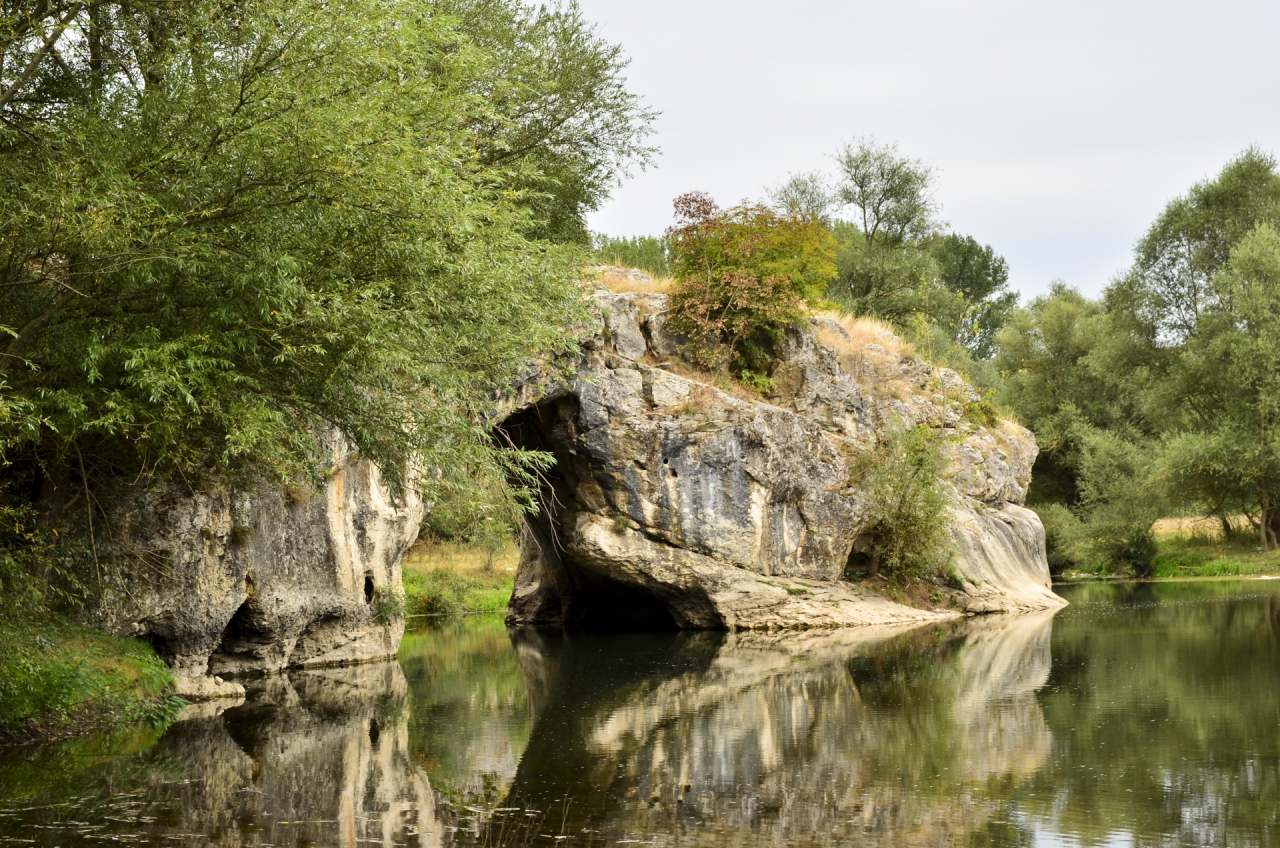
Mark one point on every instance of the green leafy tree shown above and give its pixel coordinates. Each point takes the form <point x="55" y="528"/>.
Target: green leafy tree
<point x="1171" y="283"/>
<point x="1076" y="379"/>
<point x="806" y="196"/>
<point x="900" y="481"/>
<point x="563" y="124"/>
<point x="743" y="276"/>
<point x="648" y="253"/>
<point x="1229" y="441"/>
<point x="981" y="276"/>
<point x="227" y="229"/>
<point x="882" y="264"/>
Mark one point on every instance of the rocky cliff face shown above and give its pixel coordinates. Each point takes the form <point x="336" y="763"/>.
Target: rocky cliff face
<point x="674" y="502"/>
<point x="233" y="580"/>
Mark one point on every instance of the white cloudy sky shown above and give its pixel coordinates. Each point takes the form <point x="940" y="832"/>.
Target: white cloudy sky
<point x="1059" y="130"/>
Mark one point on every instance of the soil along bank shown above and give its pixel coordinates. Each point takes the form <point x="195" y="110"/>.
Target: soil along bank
<point x="674" y="502"/>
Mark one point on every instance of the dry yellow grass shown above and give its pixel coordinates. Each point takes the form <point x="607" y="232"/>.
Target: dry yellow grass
<point x="1198" y="526"/>
<point x="428" y="554"/>
<point x="860" y="331"/>
<point x="625" y="280"/>
<point x="723" y="382"/>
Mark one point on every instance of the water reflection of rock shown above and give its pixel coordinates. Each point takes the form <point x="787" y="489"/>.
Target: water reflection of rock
<point x="887" y="734"/>
<point x="315" y="758"/>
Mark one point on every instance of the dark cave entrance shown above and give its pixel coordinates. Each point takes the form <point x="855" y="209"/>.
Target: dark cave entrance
<point x="239" y="649"/>
<point x="572" y="593"/>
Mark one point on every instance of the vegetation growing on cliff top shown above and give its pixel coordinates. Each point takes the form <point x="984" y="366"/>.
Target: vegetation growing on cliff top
<point x="743" y="276"/>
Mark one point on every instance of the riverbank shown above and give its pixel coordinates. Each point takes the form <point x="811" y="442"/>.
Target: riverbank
<point x="1200" y="552"/>
<point x="1198" y="547"/>
<point x="448" y="578"/>
<point x="58" y="679"/>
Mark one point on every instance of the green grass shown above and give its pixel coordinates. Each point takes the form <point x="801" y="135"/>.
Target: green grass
<point x="452" y="579"/>
<point x="57" y="678"/>
<point x="1203" y="554"/>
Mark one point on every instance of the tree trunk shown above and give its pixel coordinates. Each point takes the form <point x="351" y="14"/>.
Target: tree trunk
<point x="1264" y="518"/>
<point x="874" y="568"/>
<point x="1226" y="526"/>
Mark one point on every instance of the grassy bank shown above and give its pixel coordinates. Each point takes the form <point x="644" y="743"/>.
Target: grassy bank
<point x="1190" y="547"/>
<point x="446" y="578"/>
<point x="57" y="679"/>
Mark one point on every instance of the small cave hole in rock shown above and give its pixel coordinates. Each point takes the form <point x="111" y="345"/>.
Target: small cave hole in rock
<point x="863" y="562"/>
<point x="157" y="643"/>
<point x="374" y="732"/>
<point x="368" y="588"/>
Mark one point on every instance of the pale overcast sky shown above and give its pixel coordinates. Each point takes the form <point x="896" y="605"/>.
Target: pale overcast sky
<point x="1059" y="130"/>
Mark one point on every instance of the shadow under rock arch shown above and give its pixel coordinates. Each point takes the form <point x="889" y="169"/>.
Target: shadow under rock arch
<point x="553" y="587"/>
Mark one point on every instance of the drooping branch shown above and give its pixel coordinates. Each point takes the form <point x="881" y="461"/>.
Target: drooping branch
<point x="45" y="48"/>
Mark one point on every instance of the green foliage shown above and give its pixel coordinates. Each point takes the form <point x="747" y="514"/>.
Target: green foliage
<point x="906" y="504"/>
<point x="1061" y="530"/>
<point x="52" y="674"/>
<point x="648" y="253"/>
<point x="805" y="196"/>
<point x="1197" y="554"/>
<point x="743" y="276"/>
<point x="37" y="569"/>
<point x="563" y="124"/>
<point x="890" y="193"/>
<point x="388" y="604"/>
<point x="1171" y="285"/>
<point x="894" y="263"/>
<point x="476" y="506"/>
<point x="227" y="230"/>
<point x="1164" y="392"/>
<point x="1227" y="447"/>
<point x="444" y="591"/>
<point x="981" y="276"/>
<point x="1076" y="380"/>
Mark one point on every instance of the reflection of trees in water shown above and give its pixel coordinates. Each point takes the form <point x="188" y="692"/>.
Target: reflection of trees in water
<point x="1165" y="709"/>
<point x="885" y="734"/>
<point x="470" y="716"/>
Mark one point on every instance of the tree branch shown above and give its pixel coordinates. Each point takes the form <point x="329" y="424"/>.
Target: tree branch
<point x="30" y="69"/>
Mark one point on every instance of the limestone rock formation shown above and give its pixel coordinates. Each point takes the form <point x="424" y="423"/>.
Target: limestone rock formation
<point x="676" y="502"/>
<point x="231" y="580"/>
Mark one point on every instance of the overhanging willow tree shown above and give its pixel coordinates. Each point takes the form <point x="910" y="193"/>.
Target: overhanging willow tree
<point x="226" y="227"/>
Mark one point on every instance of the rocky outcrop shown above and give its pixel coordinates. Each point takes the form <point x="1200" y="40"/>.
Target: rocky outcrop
<point x="676" y="502"/>
<point x="232" y="579"/>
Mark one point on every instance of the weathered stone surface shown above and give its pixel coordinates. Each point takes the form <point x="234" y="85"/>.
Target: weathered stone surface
<point x="673" y="502"/>
<point x="231" y="580"/>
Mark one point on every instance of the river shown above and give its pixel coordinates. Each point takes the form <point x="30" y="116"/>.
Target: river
<point x="1143" y="714"/>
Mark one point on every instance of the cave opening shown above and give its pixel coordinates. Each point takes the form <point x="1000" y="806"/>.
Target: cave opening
<point x="241" y="642"/>
<point x="368" y="587"/>
<point x="158" y="644"/>
<point x="572" y="592"/>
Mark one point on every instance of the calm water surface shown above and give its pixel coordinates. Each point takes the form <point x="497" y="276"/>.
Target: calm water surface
<point x="1143" y="714"/>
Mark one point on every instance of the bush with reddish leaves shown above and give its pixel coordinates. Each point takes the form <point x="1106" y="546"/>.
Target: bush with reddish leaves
<point x="743" y="275"/>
